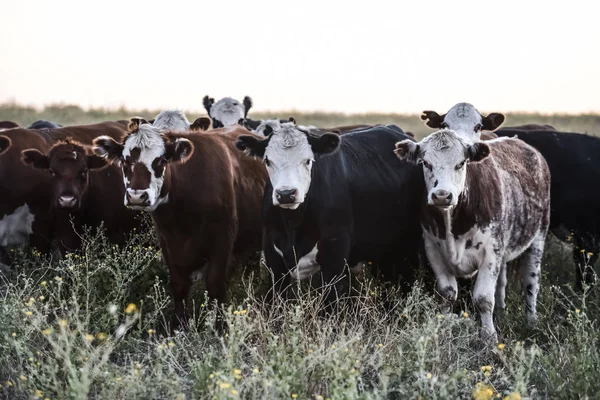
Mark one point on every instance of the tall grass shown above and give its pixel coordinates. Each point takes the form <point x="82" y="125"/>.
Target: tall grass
<point x="72" y="115"/>
<point x="93" y="326"/>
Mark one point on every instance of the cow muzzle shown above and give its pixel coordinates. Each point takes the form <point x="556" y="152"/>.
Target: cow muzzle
<point x="442" y="198"/>
<point x="67" y="201"/>
<point x="137" y="198"/>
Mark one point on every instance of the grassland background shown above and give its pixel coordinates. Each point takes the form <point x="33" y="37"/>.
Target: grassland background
<point x="72" y="114"/>
<point x="68" y="327"/>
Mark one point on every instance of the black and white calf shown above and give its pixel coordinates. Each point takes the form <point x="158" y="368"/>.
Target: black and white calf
<point x="341" y="194"/>
<point x="486" y="203"/>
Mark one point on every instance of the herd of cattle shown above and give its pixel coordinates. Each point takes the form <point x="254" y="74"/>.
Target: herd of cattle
<point x="470" y="197"/>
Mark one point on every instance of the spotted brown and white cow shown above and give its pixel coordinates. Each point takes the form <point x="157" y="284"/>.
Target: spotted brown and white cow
<point x="487" y="203"/>
<point x="204" y="196"/>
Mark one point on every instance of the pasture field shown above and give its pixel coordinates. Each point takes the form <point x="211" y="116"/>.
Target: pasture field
<point x="69" y="115"/>
<point x="92" y="325"/>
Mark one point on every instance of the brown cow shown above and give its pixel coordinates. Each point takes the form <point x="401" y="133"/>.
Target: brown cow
<point x="83" y="194"/>
<point x="26" y="214"/>
<point x="204" y="195"/>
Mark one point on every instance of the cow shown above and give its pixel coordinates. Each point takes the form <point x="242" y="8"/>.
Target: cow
<point x="338" y="195"/>
<point x="43" y="124"/>
<point x="227" y="111"/>
<point x="204" y="197"/>
<point x="26" y="213"/>
<point x="485" y="204"/>
<point x="201" y="124"/>
<point x="8" y="125"/>
<point x="569" y="188"/>
<point x="83" y="193"/>
<point x="171" y="120"/>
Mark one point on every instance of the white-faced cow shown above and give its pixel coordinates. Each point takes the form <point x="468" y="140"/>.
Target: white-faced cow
<point x="340" y="194"/>
<point x="569" y="181"/>
<point x="204" y="197"/>
<point x="171" y="121"/>
<point x="227" y="111"/>
<point x="486" y="203"/>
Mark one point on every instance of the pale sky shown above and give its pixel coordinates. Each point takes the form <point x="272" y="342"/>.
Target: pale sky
<point x="347" y="56"/>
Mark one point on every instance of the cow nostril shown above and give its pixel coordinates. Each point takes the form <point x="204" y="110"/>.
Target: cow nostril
<point x="144" y="196"/>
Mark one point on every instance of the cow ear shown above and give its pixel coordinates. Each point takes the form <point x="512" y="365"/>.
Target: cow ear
<point x="247" y="105"/>
<point x="433" y="119"/>
<point x="407" y="150"/>
<point x="201" y="124"/>
<point x="325" y="143"/>
<point x="478" y="152"/>
<point x="151" y="121"/>
<point x="208" y="103"/>
<point x="107" y="147"/>
<point x="95" y="162"/>
<point x="492" y="121"/>
<point x="179" y="151"/>
<point x="35" y="158"/>
<point x="252" y="145"/>
<point x="292" y="120"/>
<point x="4" y="143"/>
<point x="135" y="122"/>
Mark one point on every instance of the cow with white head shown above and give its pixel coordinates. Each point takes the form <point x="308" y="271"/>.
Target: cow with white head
<point x="144" y="155"/>
<point x="465" y="120"/>
<point x="171" y="121"/>
<point x="227" y="111"/>
<point x="486" y="203"/>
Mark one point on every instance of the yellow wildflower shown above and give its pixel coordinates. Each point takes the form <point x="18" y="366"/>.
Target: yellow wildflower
<point x="38" y="393"/>
<point x="102" y="336"/>
<point x="41" y="298"/>
<point x="236" y="312"/>
<point x="58" y="279"/>
<point x="14" y="334"/>
<point x="224" y="385"/>
<point x="465" y="315"/>
<point x="118" y="379"/>
<point x="43" y="283"/>
<point x="89" y="338"/>
<point x="23" y="378"/>
<point x="319" y="397"/>
<point x="513" y="396"/>
<point x="501" y="346"/>
<point x="131" y="308"/>
<point x="255" y="370"/>
<point x="429" y="376"/>
<point x="9" y="383"/>
<point x="62" y="322"/>
<point x="589" y="254"/>
<point x="28" y="313"/>
<point x="211" y="376"/>
<point x="234" y="392"/>
<point x="150" y="331"/>
<point x="483" y="392"/>
<point x="333" y="346"/>
<point x="243" y="312"/>
<point x="379" y="345"/>
<point x="237" y="371"/>
<point x="577" y="311"/>
<point x="171" y="344"/>
<point x="294" y="395"/>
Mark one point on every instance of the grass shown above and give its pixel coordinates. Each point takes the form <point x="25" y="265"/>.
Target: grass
<point x="92" y="326"/>
<point x="71" y="114"/>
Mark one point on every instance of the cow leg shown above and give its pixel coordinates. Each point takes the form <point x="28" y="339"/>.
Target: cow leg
<point x="180" y="286"/>
<point x="446" y="285"/>
<point x="332" y="256"/>
<point x="501" y="288"/>
<point x="276" y="265"/>
<point x="483" y="295"/>
<point x="530" y="262"/>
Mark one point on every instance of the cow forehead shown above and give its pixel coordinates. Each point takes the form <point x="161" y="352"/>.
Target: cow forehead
<point x="288" y="142"/>
<point x="462" y="113"/>
<point x="147" y="141"/>
<point x="442" y="147"/>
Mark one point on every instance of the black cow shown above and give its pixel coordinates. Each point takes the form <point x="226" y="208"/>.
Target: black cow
<point x="341" y="194"/>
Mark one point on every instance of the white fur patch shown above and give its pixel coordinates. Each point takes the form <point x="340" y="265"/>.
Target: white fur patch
<point x="16" y="227"/>
<point x="227" y="110"/>
<point x="150" y="142"/>
<point x="172" y="121"/>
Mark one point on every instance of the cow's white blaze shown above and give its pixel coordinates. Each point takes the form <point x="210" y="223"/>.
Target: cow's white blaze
<point x="227" y="110"/>
<point x="289" y="159"/>
<point x="172" y="121"/>
<point x="151" y="144"/>
<point x="16" y="227"/>
<point x="465" y="120"/>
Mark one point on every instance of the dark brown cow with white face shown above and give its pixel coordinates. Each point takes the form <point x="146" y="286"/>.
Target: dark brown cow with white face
<point x="486" y="203"/>
<point x="83" y="194"/>
<point x="27" y="213"/>
<point x="205" y="198"/>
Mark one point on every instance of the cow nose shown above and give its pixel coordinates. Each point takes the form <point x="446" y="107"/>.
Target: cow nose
<point x="67" y="201"/>
<point x="286" y="196"/>
<point x="137" y="197"/>
<point x="441" y="197"/>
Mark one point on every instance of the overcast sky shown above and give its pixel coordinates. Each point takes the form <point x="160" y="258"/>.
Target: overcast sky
<point x="347" y="56"/>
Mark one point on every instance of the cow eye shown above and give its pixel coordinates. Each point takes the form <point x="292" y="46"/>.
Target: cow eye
<point x="425" y="163"/>
<point x="308" y="162"/>
<point x="460" y="165"/>
<point x="51" y="172"/>
<point x="83" y="172"/>
<point x="444" y="125"/>
<point x="267" y="162"/>
<point x="478" y="127"/>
